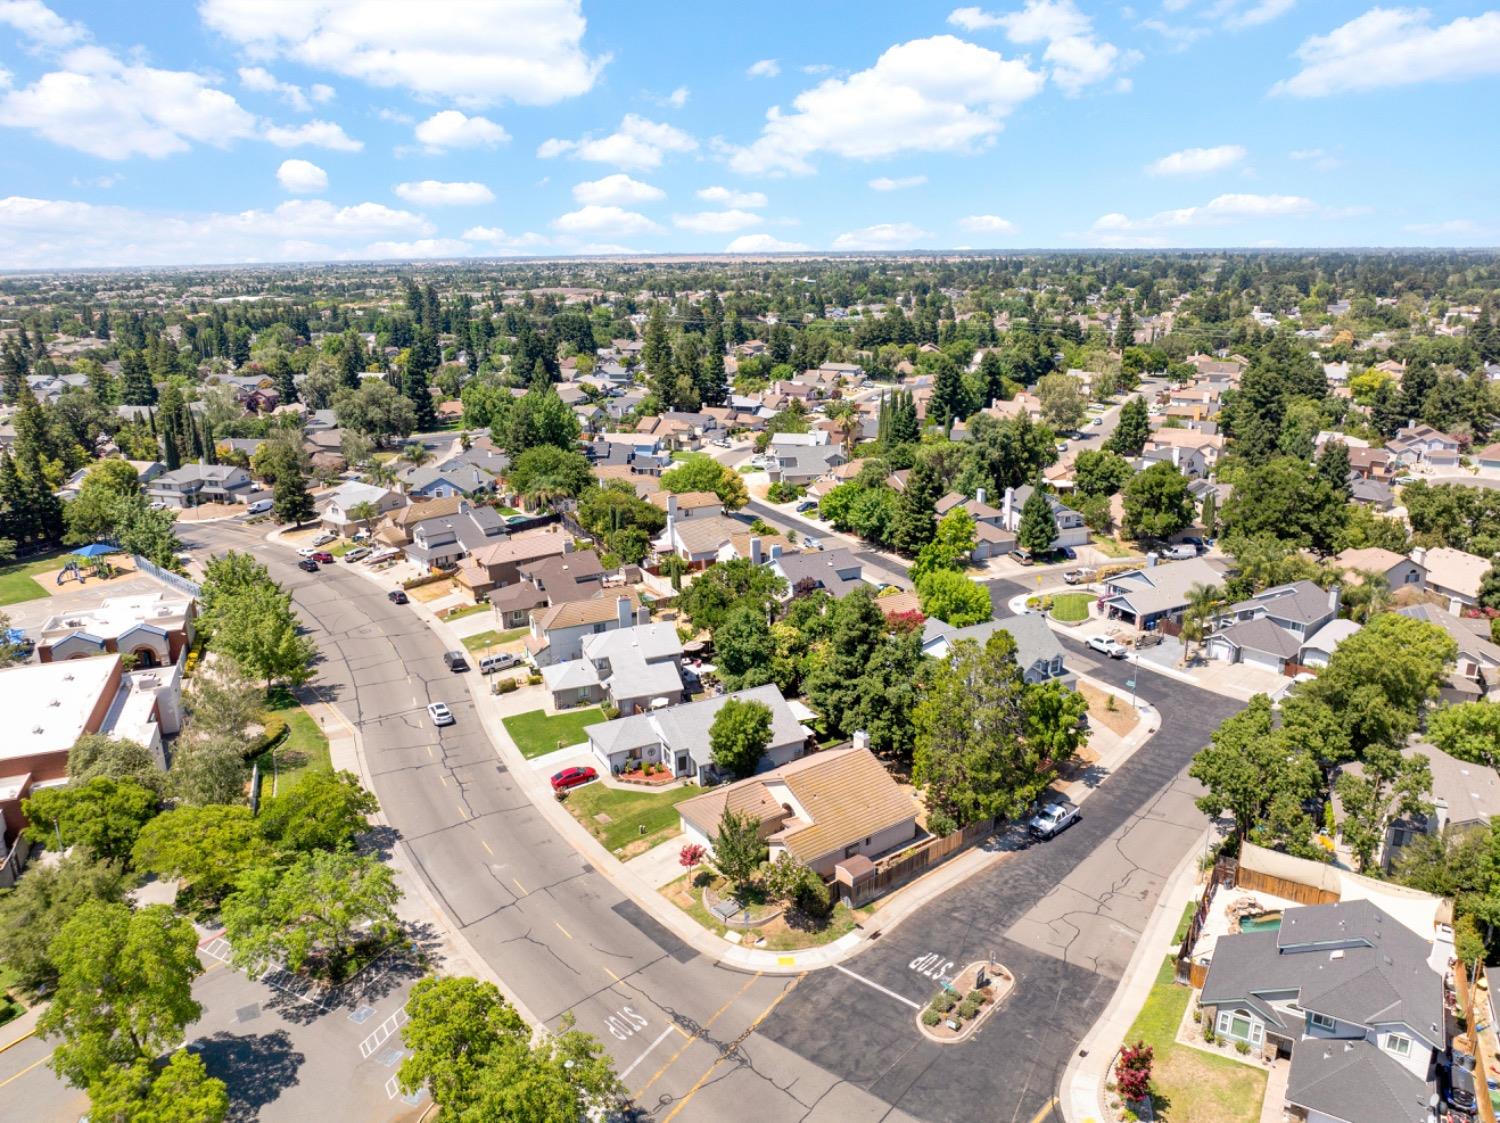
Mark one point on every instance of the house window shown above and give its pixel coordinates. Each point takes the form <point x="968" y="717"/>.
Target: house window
<point x="1399" y="1044"/>
<point x="599" y="628"/>
<point x="1239" y="1027"/>
<point x="1319" y="1021"/>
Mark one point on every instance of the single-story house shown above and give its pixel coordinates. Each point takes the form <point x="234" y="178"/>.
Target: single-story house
<point x="1399" y="572"/>
<point x="1156" y="595"/>
<point x="835" y="571"/>
<point x="1453" y="574"/>
<point x="456" y="478"/>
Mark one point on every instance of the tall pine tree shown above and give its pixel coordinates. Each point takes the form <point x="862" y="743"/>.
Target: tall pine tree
<point x="137" y="389"/>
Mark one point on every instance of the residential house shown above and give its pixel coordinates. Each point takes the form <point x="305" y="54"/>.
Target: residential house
<point x="557" y="632"/>
<point x="688" y="504"/>
<point x="823" y="810"/>
<point x="192" y="485"/>
<point x="1071" y="530"/>
<point x="1318" y="648"/>
<point x="1370" y="463"/>
<point x="153" y="629"/>
<point x="395" y="528"/>
<point x="145" y="470"/>
<point x="1192" y="452"/>
<point x="442" y="542"/>
<point x="678" y="736"/>
<point x="801" y="465"/>
<point x="1156" y="596"/>
<point x="438" y="481"/>
<point x="634" y="669"/>
<point x="499" y="564"/>
<point x="1038" y="652"/>
<point x="1453" y="574"/>
<point x="705" y="539"/>
<point x="1372" y="493"/>
<point x="352" y="495"/>
<point x="1399" y="572"/>
<point x="1476" y="672"/>
<point x="555" y="579"/>
<point x="837" y="572"/>
<point x="991" y="538"/>
<point x="1269" y="629"/>
<point x="1350" y="994"/>
<point x="1422" y="444"/>
<point x="1489" y="457"/>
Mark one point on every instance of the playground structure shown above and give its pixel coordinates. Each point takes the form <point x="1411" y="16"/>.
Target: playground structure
<point x="81" y="569"/>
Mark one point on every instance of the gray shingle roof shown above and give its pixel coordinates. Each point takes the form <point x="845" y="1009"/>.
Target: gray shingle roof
<point x="1261" y="635"/>
<point x="1353" y="1080"/>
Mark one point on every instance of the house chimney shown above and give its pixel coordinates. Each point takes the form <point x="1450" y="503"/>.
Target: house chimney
<point x="980" y="495"/>
<point x="671" y="512"/>
<point x="1333" y="599"/>
<point x="1008" y="507"/>
<point x="1419" y="555"/>
<point x="861" y="739"/>
<point x="775" y="551"/>
<point x="626" y="611"/>
<point x="754" y="549"/>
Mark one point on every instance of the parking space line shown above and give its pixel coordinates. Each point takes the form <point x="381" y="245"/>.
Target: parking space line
<point x="519" y="886"/>
<point x="662" y="1036"/>
<point x="382" y="1033"/>
<point x="876" y="986"/>
<point x="1046" y="1110"/>
<point x="487" y="849"/>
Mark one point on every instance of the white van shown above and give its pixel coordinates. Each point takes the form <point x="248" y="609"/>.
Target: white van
<point x="492" y="663"/>
<point x="259" y="507"/>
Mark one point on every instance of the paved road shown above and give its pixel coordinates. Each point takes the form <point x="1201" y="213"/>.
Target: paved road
<point x="897" y="571"/>
<point x="564" y="939"/>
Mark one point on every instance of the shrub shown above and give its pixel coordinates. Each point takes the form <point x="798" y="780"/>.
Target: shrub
<point x="275" y="730"/>
<point x="931" y="1017"/>
<point x="942" y="1002"/>
<point x="968" y="1009"/>
<point x="1242" y="1047"/>
<point x="506" y="686"/>
<point x="1208" y="1034"/>
<point x="978" y="997"/>
<point x="1133" y="1071"/>
<point x="610" y="711"/>
<point x="534" y="680"/>
<point x="1198" y="1017"/>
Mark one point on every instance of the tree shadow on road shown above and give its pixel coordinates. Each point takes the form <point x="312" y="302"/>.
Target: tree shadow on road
<point x="256" y="1068"/>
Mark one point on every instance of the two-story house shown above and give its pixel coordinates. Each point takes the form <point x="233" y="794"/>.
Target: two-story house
<point x="457" y="477"/>
<point x="1422" y="444"/>
<point x="443" y="541"/>
<point x="339" y="515"/>
<point x="633" y="669"/>
<point x="557" y="633"/>
<point x="554" y="579"/>
<point x="192" y="485"/>
<point x="1351" y="995"/>
<point x="1270" y="629"/>
<point x="1071" y="529"/>
<point x="1038" y="652"/>
<point x="991" y="538"/>
<point x="498" y="564"/>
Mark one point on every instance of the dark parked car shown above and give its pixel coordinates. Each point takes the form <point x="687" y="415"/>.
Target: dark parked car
<point x="1461" y="1085"/>
<point x="572" y="777"/>
<point x="308" y="565"/>
<point x="397" y="596"/>
<point x="456" y="660"/>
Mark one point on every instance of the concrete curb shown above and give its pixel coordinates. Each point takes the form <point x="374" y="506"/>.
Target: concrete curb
<point x="1081" y="1091"/>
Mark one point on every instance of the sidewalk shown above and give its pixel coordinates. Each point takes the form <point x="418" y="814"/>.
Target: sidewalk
<point x="1081" y="1093"/>
<point x="21" y="1029"/>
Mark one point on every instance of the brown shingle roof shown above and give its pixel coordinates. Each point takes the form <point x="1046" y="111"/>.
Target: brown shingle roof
<point x="574" y="613"/>
<point x="849" y="796"/>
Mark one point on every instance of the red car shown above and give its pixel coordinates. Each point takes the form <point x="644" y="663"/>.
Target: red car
<point x="572" y="777"/>
<point x="324" y="557"/>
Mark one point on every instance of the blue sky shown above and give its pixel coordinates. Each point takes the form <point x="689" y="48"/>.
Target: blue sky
<point x="163" y="132"/>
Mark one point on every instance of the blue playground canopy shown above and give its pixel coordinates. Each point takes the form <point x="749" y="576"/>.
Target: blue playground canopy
<point x="97" y="550"/>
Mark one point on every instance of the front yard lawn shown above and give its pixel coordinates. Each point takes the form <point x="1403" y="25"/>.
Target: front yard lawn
<point x="1108" y="546"/>
<point x="1071" y="608"/>
<point x="1190" y="1085"/>
<point x="304" y="749"/>
<point x="615" y="817"/>
<point x="536" y="734"/>
<point x="491" y="638"/>
<point x="687" y="894"/>
<point x="467" y="610"/>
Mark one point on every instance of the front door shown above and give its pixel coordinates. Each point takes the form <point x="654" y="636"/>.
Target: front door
<point x="684" y="763"/>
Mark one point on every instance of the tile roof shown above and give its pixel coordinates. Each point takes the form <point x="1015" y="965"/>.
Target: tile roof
<point x="595" y="610"/>
<point x="848" y="796"/>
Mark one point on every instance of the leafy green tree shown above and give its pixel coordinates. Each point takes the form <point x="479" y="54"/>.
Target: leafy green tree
<point x="1038" y="528"/>
<point x="1489" y="589"/>
<point x="545" y="474"/>
<point x="1157" y="502"/>
<point x="92" y="515"/>
<point x="124" y="988"/>
<point x="738" y="848"/>
<point x="855" y="628"/>
<point x="1245" y="767"/>
<point x="260" y="632"/>
<point x="719" y="588"/>
<point x="744" y="649"/>
<point x="208" y="768"/>
<point x="1469" y="731"/>
<point x="788" y="880"/>
<point x="317" y="911"/>
<point x="225" y="577"/>
<point x="1288" y="499"/>
<point x="34" y="911"/>
<point x="95" y="754"/>
<point x="1062" y="401"/>
<point x="950" y="547"/>
<point x="954" y="599"/>
<point x="1004" y="454"/>
<point x="539" y="418"/>
<point x="478" y="1059"/>
<point x="887" y="695"/>
<point x="182" y="1092"/>
<point x="292" y="503"/>
<point x="1387" y="785"/>
<point x="702" y="474"/>
<point x="621" y="519"/>
<point x="1101" y="472"/>
<point x="916" y="511"/>
<point x="1054" y="721"/>
<point x="205" y="847"/>
<point x="376" y="410"/>
<point x="1132" y="430"/>
<point x="321" y="811"/>
<point x="103" y="815"/>
<point x="739" y="736"/>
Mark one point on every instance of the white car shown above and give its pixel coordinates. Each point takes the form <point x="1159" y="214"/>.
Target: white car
<point x="307" y="551"/>
<point x="1106" y="646"/>
<point x="1053" y="819"/>
<point x="440" y="714"/>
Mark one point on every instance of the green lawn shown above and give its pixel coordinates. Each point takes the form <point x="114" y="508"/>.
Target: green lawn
<point x="687" y="454"/>
<point x="466" y="610"/>
<point x="536" y="734"/>
<point x="1070" y="608"/>
<point x="304" y="749"/>
<point x="16" y="580"/>
<point x="626" y="812"/>
<point x="1182" y="925"/>
<point x="491" y="638"/>
<point x="1108" y="546"/>
<point x="1192" y="1086"/>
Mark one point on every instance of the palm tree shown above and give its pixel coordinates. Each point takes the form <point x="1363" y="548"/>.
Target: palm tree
<point x="850" y="425"/>
<point x="382" y="473"/>
<point x="416" y="454"/>
<point x="1202" y="603"/>
<point x="364" y="512"/>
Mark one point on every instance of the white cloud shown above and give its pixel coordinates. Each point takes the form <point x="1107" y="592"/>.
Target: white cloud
<point x="319" y="134"/>
<point x="320" y="92"/>
<point x="765" y="68"/>
<point x="41" y="24"/>
<point x="473" y="53"/>
<point x="727" y="197"/>
<point x="1217" y="212"/>
<point x="987" y="224"/>
<point x="499" y="239"/>
<point x="1077" y="58"/>
<point x="617" y="189"/>
<point x="436" y="193"/>
<point x="301" y="177"/>
<point x="452" y="129"/>
<point x="716" y="222"/>
<point x="929" y="95"/>
<point x="886" y="183"/>
<point x="421" y="247"/>
<point x="1262" y="11"/>
<point x="1319" y="158"/>
<point x="816" y="68"/>
<point x="99" y="104"/>
<point x="638" y="144"/>
<point x="48" y="232"/>
<point x="677" y="98"/>
<point x="1395" y="47"/>
<point x="102" y="181"/>
<point x="604" y="222"/>
<point x="1197" y="161"/>
<point x="882" y="236"/>
<point x="974" y="19"/>
<point x="7" y="79"/>
<point x="606" y="249"/>
<point x="262" y="81"/>
<point x="762" y="243"/>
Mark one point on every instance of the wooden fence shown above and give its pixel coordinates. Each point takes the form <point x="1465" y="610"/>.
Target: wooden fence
<point x="1468" y="997"/>
<point x="916" y="861"/>
<point x="1256" y="882"/>
<point x="1225" y="872"/>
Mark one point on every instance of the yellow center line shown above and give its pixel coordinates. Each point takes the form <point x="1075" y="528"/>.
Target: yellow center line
<point x="563" y="930"/>
<point x="690" y="1037"/>
<point x="1046" y="1110"/>
<point x="25" y="1070"/>
<point x="702" y="1080"/>
<point x="487" y="849"/>
<point x="519" y="886"/>
<point x="612" y="975"/>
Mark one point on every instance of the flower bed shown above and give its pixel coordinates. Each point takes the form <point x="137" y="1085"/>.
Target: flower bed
<point x="959" y="1009"/>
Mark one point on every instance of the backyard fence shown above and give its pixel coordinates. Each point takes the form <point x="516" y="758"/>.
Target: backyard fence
<point x="14" y="862"/>
<point x="175" y="580"/>
<point x="1255" y="881"/>
<point x="909" y="864"/>
<point x="1225" y="873"/>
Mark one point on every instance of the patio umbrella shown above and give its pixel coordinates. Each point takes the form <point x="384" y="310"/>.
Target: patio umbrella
<point x="97" y="550"/>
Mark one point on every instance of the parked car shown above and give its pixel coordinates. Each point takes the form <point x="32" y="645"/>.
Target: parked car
<point x="1461" y="1085"/>
<point x="1106" y="646"/>
<point x="812" y="543"/>
<point x="1053" y="819"/>
<point x="1080" y="576"/>
<point x="308" y="565"/>
<point x="323" y="557"/>
<point x="259" y="507"/>
<point x="1180" y="552"/>
<point x="440" y="714"/>
<point x="324" y="538"/>
<point x="512" y="520"/>
<point x="397" y="596"/>
<point x="359" y="553"/>
<point x="572" y="777"/>
<point x="307" y="551"/>
<point x="807" y="505"/>
<point x="1069" y="553"/>
<point x="720" y="442"/>
<point x="1196" y="543"/>
<point x="456" y="661"/>
<point x="500" y="662"/>
<point x="1098" y="421"/>
<point x="1062" y="446"/>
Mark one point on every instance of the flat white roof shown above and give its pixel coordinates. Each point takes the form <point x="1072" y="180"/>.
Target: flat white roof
<point x="46" y="704"/>
<point x="115" y="616"/>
